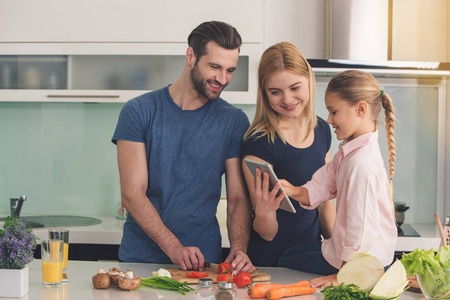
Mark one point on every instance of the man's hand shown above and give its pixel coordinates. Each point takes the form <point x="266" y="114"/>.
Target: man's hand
<point x="240" y="262"/>
<point x="188" y="258"/>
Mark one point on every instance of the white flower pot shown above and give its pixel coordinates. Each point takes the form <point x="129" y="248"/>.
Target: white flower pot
<point x="14" y="283"/>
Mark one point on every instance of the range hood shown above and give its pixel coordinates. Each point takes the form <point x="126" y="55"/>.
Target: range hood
<point x="359" y="37"/>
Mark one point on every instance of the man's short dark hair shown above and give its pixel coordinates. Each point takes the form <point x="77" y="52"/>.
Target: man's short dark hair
<point x="221" y="33"/>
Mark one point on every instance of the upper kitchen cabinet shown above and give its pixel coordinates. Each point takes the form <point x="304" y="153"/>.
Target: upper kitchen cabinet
<point x="301" y="22"/>
<point x="388" y="30"/>
<point x="420" y="30"/>
<point x="122" y="21"/>
<point x="112" y="51"/>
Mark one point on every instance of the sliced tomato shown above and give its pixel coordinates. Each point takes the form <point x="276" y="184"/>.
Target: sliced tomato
<point x="225" y="277"/>
<point x="224" y="268"/>
<point x="196" y="274"/>
<point x="243" y="279"/>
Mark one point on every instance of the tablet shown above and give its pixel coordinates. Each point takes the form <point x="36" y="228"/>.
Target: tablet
<point x="286" y="203"/>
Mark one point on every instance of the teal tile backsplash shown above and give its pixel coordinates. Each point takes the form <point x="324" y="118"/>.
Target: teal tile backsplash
<point x="60" y="155"/>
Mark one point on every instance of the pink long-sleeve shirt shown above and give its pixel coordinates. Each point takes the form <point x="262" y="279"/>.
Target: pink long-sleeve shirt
<point x="365" y="221"/>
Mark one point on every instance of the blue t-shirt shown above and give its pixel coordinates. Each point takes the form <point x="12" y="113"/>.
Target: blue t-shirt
<point x="296" y="166"/>
<point x="186" y="154"/>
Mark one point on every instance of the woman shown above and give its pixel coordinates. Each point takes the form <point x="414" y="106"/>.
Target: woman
<point x="288" y="135"/>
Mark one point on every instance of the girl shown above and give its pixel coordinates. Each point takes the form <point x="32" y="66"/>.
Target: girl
<point x="356" y="176"/>
<point x="287" y="134"/>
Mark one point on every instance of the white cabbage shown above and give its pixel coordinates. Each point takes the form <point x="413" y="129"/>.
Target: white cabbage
<point x="362" y="270"/>
<point x="391" y="284"/>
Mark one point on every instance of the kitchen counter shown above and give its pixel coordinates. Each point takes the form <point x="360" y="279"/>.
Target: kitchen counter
<point x="109" y="232"/>
<point x="80" y="283"/>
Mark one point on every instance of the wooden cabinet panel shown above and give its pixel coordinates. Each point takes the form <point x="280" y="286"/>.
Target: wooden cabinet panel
<point x="419" y="30"/>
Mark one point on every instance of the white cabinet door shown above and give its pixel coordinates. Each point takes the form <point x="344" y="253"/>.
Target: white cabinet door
<point x="122" y="21"/>
<point x="301" y="22"/>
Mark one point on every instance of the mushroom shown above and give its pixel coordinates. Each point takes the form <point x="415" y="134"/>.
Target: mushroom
<point x="129" y="281"/>
<point x="115" y="274"/>
<point x="101" y="280"/>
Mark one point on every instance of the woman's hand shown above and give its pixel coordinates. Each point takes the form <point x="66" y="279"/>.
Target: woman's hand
<point x="266" y="201"/>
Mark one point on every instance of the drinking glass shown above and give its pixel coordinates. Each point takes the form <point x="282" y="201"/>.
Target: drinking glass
<point x="62" y="234"/>
<point x="52" y="262"/>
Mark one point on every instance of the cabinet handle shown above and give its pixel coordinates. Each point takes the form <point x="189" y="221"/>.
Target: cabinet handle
<point x="83" y="96"/>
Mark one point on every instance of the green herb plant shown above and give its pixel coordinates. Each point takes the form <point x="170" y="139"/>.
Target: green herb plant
<point x="164" y="282"/>
<point x="17" y="244"/>
<point x="344" y="292"/>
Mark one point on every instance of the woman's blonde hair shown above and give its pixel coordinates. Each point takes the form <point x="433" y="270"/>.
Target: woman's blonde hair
<point x="282" y="56"/>
<point x="354" y="86"/>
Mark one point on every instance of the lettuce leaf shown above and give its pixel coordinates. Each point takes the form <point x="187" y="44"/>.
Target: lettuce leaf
<point x="443" y="256"/>
<point x="415" y="262"/>
<point x="430" y="269"/>
<point x="436" y="282"/>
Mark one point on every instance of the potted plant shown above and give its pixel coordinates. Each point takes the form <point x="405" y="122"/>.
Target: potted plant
<point x="17" y="244"/>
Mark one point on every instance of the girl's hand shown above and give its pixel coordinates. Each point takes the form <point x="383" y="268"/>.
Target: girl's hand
<point x="297" y="193"/>
<point x="325" y="281"/>
<point x="266" y="201"/>
<point x="288" y="187"/>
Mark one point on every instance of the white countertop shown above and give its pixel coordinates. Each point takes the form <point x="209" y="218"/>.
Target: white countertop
<point x="109" y="232"/>
<point x="80" y="283"/>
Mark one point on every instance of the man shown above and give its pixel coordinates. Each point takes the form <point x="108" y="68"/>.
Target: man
<point x="173" y="146"/>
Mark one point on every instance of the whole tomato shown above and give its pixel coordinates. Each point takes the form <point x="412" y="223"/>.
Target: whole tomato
<point x="224" y="268"/>
<point x="243" y="280"/>
<point x="225" y="277"/>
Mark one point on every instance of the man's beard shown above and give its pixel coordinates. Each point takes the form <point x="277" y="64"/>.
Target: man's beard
<point x="200" y="84"/>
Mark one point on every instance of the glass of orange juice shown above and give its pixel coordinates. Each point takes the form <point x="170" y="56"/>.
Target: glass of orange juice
<point x="52" y="252"/>
<point x="62" y="234"/>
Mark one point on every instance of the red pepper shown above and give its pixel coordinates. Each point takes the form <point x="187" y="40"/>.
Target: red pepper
<point x="196" y="274"/>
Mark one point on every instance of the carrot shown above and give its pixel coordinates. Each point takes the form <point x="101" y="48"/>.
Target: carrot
<point x="278" y="293"/>
<point x="259" y="290"/>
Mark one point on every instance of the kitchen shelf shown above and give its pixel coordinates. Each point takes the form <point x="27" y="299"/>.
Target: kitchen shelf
<point x="106" y="72"/>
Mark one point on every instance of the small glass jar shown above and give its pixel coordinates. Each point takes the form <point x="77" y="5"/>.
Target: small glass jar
<point x="205" y="289"/>
<point x="225" y="291"/>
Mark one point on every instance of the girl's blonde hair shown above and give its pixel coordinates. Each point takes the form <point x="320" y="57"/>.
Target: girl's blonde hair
<point x="282" y="56"/>
<point x="354" y="86"/>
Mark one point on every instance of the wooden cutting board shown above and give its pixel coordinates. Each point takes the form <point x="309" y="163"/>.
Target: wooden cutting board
<point x="180" y="275"/>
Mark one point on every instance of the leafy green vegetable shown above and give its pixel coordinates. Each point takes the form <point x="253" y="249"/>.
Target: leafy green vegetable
<point x="416" y="261"/>
<point x="343" y="292"/>
<point x="435" y="281"/>
<point x="443" y="256"/>
<point x="432" y="270"/>
<point x="164" y="282"/>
